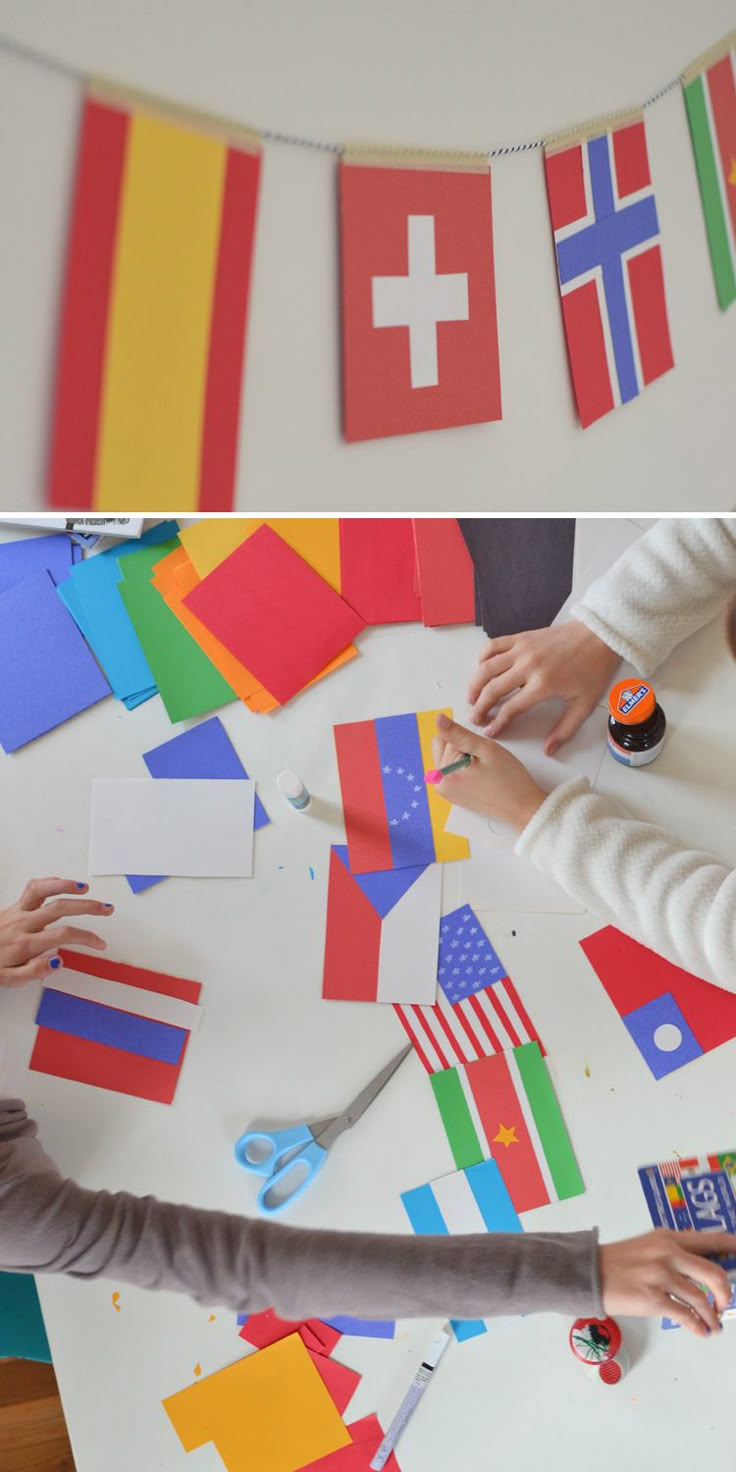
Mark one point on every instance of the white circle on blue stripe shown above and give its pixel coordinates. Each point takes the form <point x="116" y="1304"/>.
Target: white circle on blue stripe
<point x="662" y="1035"/>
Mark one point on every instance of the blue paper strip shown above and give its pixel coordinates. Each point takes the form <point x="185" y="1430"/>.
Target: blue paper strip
<point x="404" y="790"/>
<point x="54" y="554"/>
<point x="492" y="1198"/>
<point x="100" y="1024"/>
<point x="363" y="1328"/>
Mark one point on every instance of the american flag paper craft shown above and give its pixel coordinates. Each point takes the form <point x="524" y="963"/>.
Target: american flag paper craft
<point x="478" y="1011"/>
<point x="504" y="1108"/>
<point x="115" y="1026"/>
<point x="473" y="1200"/>
<point x="420" y="339"/>
<point x="672" y="1017"/>
<point x="709" y="87"/>
<point x="393" y="818"/>
<point x="152" y="334"/>
<point x="609" y="264"/>
<point x="382" y="933"/>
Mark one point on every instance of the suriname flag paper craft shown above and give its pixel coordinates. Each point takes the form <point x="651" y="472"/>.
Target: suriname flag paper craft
<point x="709" y="87"/>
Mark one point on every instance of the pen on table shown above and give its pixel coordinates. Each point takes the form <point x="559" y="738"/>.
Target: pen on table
<point x="437" y="773"/>
<point x="413" y="1395"/>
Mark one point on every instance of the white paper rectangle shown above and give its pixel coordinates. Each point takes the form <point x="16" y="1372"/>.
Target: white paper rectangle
<point x="407" y="964"/>
<point x="154" y="1005"/>
<point x="195" y="827"/>
<point x="497" y="879"/>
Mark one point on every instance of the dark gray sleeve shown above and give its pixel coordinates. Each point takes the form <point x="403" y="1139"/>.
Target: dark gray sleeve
<point x="50" y="1225"/>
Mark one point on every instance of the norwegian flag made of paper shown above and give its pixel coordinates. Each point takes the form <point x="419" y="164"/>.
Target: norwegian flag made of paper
<point x="609" y="265"/>
<point x="420" y="342"/>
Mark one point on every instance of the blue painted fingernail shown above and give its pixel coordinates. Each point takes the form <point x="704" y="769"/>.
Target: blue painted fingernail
<point x="54" y="963"/>
<point x="108" y="906"/>
<point x="80" y="885"/>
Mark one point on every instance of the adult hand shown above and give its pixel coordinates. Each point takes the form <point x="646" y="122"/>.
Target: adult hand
<point x="28" y="948"/>
<point x="496" y="783"/>
<point x="521" y="670"/>
<point x="659" y="1274"/>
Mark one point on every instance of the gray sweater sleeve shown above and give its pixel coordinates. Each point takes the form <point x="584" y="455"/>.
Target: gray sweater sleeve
<point x="50" y="1225"/>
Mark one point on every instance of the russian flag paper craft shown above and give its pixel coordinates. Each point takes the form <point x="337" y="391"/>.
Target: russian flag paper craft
<point x="393" y="818"/>
<point x="609" y="264"/>
<point x="115" y="1026"/>
<point x="473" y="1200"/>
<point x="709" y="87"/>
<point x="504" y="1108"/>
<point x="152" y="332"/>
<point x="382" y="933"/>
<point x="478" y="1010"/>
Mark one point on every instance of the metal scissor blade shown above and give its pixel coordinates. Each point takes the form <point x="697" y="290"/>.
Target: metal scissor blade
<point x="361" y="1102"/>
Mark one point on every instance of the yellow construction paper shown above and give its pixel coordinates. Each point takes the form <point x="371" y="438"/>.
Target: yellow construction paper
<point x="269" y="1412"/>
<point x="447" y="846"/>
<point x="315" y="539"/>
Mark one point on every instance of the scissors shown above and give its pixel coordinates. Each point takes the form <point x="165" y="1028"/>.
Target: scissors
<point x="290" y="1158"/>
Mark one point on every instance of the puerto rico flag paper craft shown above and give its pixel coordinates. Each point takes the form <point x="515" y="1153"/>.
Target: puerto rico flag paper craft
<point x="504" y="1108"/>
<point x="697" y="1194"/>
<point x="132" y="1040"/>
<point x="420" y="340"/>
<point x="393" y="818"/>
<point x="709" y="87"/>
<point x="673" y="1017"/>
<point x="478" y="1011"/>
<point x="445" y="572"/>
<point x="378" y="569"/>
<point x="382" y="933"/>
<point x="367" y="1436"/>
<point x="472" y="1200"/>
<point x="152" y="334"/>
<point x="609" y="265"/>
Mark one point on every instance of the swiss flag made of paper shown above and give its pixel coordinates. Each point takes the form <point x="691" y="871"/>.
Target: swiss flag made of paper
<point x="420" y="341"/>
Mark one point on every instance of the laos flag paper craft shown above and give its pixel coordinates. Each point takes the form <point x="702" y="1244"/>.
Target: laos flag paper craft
<point x="609" y="264"/>
<point x="393" y="818"/>
<point x="478" y="1010"/>
<point x="382" y="933"/>
<point x="697" y="1194"/>
<point x="504" y="1108"/>
<point x="673" y="1017"/>
<point x="709" y="87"/>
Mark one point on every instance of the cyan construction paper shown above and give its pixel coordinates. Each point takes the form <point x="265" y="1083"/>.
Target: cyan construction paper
<point x="99" y="1024"/>
<point x="22" y="1331"/>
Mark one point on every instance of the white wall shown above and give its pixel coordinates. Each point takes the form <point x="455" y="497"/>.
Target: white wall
<point x="449" y="72"/>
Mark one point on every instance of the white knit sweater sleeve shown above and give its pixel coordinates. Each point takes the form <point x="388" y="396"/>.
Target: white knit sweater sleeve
<point x="677" y="901"/>
<point x="671" y="582"/>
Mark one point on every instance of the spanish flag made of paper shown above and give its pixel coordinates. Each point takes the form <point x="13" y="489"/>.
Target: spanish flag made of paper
<point x="153" y="319"/>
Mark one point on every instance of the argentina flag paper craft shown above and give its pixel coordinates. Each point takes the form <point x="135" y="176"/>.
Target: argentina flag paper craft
<point x="382" y="933"/>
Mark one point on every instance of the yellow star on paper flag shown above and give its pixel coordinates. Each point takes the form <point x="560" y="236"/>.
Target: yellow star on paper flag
<point x="506" y="1135"/>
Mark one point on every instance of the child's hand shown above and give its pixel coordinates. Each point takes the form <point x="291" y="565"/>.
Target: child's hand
<point x="659" y="1274"/>
<point x="496" y="783"/>
<point x="566" y="661"/>
<point x="27" y="947"/>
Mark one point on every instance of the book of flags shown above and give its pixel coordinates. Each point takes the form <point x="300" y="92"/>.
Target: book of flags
<point x="478" y="1011"/>
<point x="393" y="819"/>
<point x="709" y="87"/>
<point x="697" y="1194"/>
<point x="381" y="935"/>
<point x="115" y="1026"/>
<point x="472" y="1200"/>
<point x="504" y="1108"/>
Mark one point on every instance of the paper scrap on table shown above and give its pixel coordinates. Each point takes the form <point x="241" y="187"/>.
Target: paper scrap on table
<point x="445" y="571"/>
<point x="56" y="555"/>
<point x="274" y="613"/>
<point x="523" y="570"/>
<point x="314" y="538"/>
<point x="393" y="818"/>
<point x="367" y="1436"/>
<point x="270" y="1411"/>
<point x="191" y="827"/>
<point x="478" y="1012"/>
<point x="382" y="933"/>
<point x="672" y="1016"/>
<point x="47" y="673"/>
<point x="504" y="1108"/>
<point x="378" y="568"/>
<point x="118" y="1032"/>
<point x="472" y="1200"/>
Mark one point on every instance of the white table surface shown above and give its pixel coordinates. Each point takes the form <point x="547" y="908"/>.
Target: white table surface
<point x="268" y="1045"/>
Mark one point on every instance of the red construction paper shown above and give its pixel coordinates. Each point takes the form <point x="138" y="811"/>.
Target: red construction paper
<point x="274" y="613"/>
<point x="445" y="572"/>
<point x="378" y="569"/>
<point x="352" y="939"/>
<point x="149" y="981"/>
<point x="64" y="1056"/>
<point x="266" y="1328"/>
<point x="367" y="1437"/>
<point x="341" y="1382"/>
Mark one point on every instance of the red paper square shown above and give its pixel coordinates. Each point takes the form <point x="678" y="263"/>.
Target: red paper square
<point x="367" y="1437"/>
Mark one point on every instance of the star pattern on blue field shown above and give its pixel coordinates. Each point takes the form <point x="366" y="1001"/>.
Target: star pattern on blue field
<point x="467" y="961"/>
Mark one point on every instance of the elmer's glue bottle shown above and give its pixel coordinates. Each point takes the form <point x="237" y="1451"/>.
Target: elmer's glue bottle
<point x="598" y="1344"/>
<point x="636" y="723"/>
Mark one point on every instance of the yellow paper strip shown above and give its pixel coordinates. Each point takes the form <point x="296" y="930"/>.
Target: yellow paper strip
<point x="448" y="846"/>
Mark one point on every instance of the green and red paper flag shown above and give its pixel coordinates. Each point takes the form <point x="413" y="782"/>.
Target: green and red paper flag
<point x="709" y="87"/>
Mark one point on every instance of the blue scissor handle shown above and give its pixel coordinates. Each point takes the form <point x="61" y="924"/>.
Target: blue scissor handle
<point x="265" y="1151"/>
<point x="276" y="1193"/>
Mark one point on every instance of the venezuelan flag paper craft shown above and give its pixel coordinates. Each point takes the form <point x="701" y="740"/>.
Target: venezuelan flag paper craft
<point x="697" y="1194"/>
<point x="393" y="818"/>
<point x="116" y="1026"/>
<point x="472" y="1200"/>
<point x="504" y="1108"/>
<point x="153" y="318"/>
<point x="709" y="87"/>
<point x="382" y="933"/>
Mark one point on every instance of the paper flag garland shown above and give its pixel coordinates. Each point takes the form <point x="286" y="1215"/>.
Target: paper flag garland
<point x="709" y="87"/>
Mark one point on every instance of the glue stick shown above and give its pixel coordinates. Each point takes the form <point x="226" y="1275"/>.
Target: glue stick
<point x="636" y="723"/>
<point x="294" y="791"/>
<point x="598" y="1345"/>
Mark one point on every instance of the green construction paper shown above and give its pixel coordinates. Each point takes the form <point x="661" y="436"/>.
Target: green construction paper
<point x="548" y="1119"/>
<point x="188" y="682"/>
<point x="464" y="1142"/>
<point x="22" y="1331"/>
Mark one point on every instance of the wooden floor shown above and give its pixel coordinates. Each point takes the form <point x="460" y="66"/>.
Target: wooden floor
<point x="32" y="1428"/>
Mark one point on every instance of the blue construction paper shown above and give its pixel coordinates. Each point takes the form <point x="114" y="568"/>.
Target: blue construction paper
<point x="22" y="1331"/>
<point x="204" y="751"/>
<point x="163" y="531"/>
<point x="100" y="1024"/>
<point x="18" y="560"/>
<point x="404" y="790"/>
<point x="363" y="1328"/>
<point x="384" y="887"/>
<point x="642" y="1024"/>
<point x="467" y="962"/>
<point x="47" y="674"/>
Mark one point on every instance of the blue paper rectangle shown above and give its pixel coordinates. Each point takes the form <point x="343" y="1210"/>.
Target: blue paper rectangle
<point x="363" y="1328"/>
<point x="404" y="790"/>
<point x="18" y="560"/>
<point x="100" y="1024"/>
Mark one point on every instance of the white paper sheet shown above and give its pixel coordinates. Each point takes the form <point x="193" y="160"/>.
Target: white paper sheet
<point x="496" y="879"/>
<point x="407" y="966"/>
<point x="193" y="827"/>
<point x="153" y="1005"/>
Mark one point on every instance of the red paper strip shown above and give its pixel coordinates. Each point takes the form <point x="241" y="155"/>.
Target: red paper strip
<point x="363" y="801"/>
<point x="367" y="1437"/>
<point x="341" y="1382"/>
<point x="498" y="1104"/>
<point x="64" y="1056"/>
<point x="352" y="941"/>
<point x="267" y="1328"/>
<point x="378" y="569"/>
<point x="149" y="981"/>
<point x="445" y="572"/>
